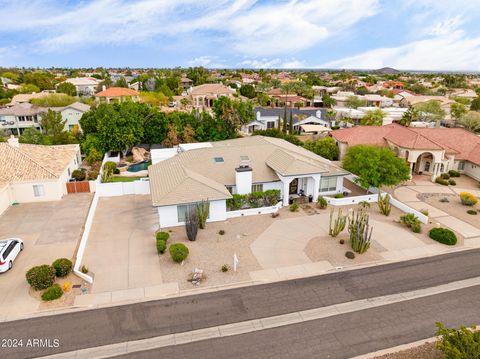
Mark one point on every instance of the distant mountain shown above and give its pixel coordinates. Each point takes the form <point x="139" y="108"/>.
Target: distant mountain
<point x="387" y="71"/>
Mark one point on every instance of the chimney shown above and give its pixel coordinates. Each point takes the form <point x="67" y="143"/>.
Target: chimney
<point x="104" y="87"/>
<point x="13" y="141"/>
<point x="243" y="177"/>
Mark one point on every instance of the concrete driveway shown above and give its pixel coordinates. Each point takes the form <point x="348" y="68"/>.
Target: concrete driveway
<point x="50" y="230"/>
<point x="121" y="248"/>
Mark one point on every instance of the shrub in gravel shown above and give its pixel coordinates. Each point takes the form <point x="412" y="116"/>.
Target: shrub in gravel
<point x="472" y="212"/>
<point x="445" y="176"/>
<point x="468" y="199"/>
<point x="293" y="207"/>
<point x="225" y="268"/>
<point x="79" y="174"/>
<point x="161" y="246"/>
<point x="162" y="236"/>
<point x="443" y="235"/>
<point x="444" y="200"/>
<point x="350" y="255"/>
<point x="178" y="252"/>
<point x="454" y="173"/>
<point x="441" y="181"/>
<point x="52" y="293"/>
<point x="63" y="267"/>
<point x="221" y="232"/>
<point x="41" y="277"/>
<point x="452" y="182"/>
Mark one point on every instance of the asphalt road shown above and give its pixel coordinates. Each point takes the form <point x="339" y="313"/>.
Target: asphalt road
<point x="84" y="329"/>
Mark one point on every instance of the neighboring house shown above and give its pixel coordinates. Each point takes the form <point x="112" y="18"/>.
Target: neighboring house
<point x="372" y="100"/>
<point x="85" y="86"/>
<point x="20" y="116"/>
<point x="266" y="118"/>
<point x="72" y="114"/>
<point x="186" y="83"/>
<point x="117" y="94"/>
<point x="26" y="97"/>
<point x="445" y="102"/>
<point x="35" y="173"/>
<point x="430" y="151"/>
<point x="217" y="170"/>
<point x="204" y="95"/>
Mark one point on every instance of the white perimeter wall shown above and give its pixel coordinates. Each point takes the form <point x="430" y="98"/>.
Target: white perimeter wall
<point x="472" y="170"/>
<point x="5" y="200"/>
<point x="168" y="216"/>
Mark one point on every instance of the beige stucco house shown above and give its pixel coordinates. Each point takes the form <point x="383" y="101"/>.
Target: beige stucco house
<point x="430" y="151"/>
<point x="35" y="173"/>
<point x="203" y="96"/>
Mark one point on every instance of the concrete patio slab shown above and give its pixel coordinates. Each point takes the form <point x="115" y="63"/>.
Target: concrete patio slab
<point x="394" y="238"/>
<point x="470" y="190"/>
<point x="432" y="211"/>
<point x="432" y="189"/>
<point x="406" y="194"/>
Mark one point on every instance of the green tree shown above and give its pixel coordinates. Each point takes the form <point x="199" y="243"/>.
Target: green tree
<point x="248" y="91"/>
<point x="457" y="110"/>
<point x="234" y="112"/>
<point x="328" y="101"/>
<point x="355" y="102"/>
<point x="431" y="110"/>
<point x="92" y="147"/>
<point x="290" y="124"/>
<point x="470" y="121"/>
<point x="475" y="105"/>
<point x="67" y="88"/>
<point x="373" y="118"/>
<point x="325" y="147"/>
<point x="284" y="128"/>
<point x="40" y="79"/>
<point x="121" y="82"/>
<point x="28" y="88"/>
<point x="409" y="116"/>
<point x="376" y="166"/>
<point x="155" y="127"/>
<point x="53" y="100"/>
<point x="53" y="127"/>
<point x="31" y="135"/>
<point x="172" y="137"/>
<point x="460" y="343"/>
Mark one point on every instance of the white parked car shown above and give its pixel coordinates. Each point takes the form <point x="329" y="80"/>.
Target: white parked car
<point x="9" y="250"/>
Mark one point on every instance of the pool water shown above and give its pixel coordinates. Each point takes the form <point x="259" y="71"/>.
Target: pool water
<point x="141" y="166"/>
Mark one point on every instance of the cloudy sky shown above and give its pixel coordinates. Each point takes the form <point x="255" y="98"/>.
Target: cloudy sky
<point x="404" y="34"/>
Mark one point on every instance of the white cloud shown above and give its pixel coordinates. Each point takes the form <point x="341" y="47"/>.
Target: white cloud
<point x="207" y="61"/>
<point x="449" y="52"/>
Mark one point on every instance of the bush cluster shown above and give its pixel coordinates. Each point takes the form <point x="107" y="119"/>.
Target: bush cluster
<point x="63" y="267"/>
<point x="454" y="173"/>
<point x="339" y="195"/>
<point x="161" y="246"/>
<point x="472" y="212"/>
<point x="162" y="236"/>
<point x="41" y="277"/>
<point x="443" y="235"/>
<point x="253" y="200"/>
<point x="445" y="176"/>
<point x="412" y="222"/>
<point x="321" y="202"/>
<point x="293" y="207"/>
<point x="52" y="293"/>
<point x="178" y="252"/>
<point x="79" y="174"/>
<point x="441" y="181"/>
<point x="452" y="182"/>
<point x="468" y="199"/>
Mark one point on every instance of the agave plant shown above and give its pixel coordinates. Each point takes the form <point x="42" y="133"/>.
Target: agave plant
<point x="337" y="225"/>
<point x="360" y="231"/>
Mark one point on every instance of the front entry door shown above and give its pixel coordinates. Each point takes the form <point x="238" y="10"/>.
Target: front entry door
<point x="293" y="187"/>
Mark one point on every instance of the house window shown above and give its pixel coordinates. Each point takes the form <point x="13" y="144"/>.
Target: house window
<point x="270" y="124"/>
<point x="68" y="170"/>
<point x="182" y="211"/>
<point x="257" y="187"/>
<point x="461" y="165"/>
<point x="230" y="189"/>
<point x="328" y="184"/>
<point x="38" y="190"/>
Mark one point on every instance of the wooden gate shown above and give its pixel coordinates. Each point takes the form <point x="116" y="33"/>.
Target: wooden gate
<point x="78" y="187"/>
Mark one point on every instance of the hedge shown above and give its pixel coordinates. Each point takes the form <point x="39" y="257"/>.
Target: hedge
<point x="253" y="200"/>
<point x="41" y="277"/>
<point x="63" y="267"/>
<point x="443" y="235"/>
<point x="178" y="252"/>
<point x="52" y="293"/>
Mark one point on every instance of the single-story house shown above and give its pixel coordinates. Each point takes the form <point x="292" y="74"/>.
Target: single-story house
<point x="217" y="170"/>
<point x="430" y="151"/>
<point x="35" y="173"/>
<point x="117" y="94"/>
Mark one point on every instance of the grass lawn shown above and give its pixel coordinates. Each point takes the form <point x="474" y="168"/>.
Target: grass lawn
<point x="124" y="179"/>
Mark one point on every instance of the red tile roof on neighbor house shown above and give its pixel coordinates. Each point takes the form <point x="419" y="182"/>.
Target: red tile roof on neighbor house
<point x="117" y="92"/>
<point x="465" y="145"/>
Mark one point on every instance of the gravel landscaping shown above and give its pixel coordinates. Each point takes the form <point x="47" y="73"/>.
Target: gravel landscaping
<point x="424" y="351"/>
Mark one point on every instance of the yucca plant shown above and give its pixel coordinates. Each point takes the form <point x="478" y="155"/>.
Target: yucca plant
<point x="337" y="225"/>
<point x="384" y="204"/>
<point x="191" y="223"/>
<point x="360" y="231"/>
<point x="202" y="213"/>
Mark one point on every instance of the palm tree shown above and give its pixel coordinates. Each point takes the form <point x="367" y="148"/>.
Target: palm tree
<point x="410" y="115"/>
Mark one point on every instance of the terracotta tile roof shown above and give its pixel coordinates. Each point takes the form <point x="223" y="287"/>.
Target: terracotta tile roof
<point x="117" y="92"/>
<point x="34" y="162"/>
<point x="465" y="145"/>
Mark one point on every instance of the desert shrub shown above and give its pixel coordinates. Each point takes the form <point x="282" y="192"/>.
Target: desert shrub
<point x="271" y="197"/>
<point x="350" y="255"/>
<point x="221" y="232"/>
<point x="225" y="268"/>
<point x="178" y="252"/>
<point x="445" y="176"/>
<point x="339" y="195"/>
<point x="472" y="212"/>
<point x="63" y="267"/>
<point x="452" y="182"/>
<point x="41" y="277"/>
<point x="468" y="199"/>
<point x="92" y="175"/>
<point x="454" y="173"/>
<point x="84" y="269"/>
<point x="364" y="205"/>
<point x="255" y="199"/>
<point x="79" y="174"/>
<point x="443" y="235"/>
<point x="236" y="202"/>
<point x="412" y="222"/>
<point x="424" y="212"/>
<point x="161" y="246"/>
<point x="293" y="207"/>
<point x="444" y="200"/>
<point x="162" y="236"/>
<point x="441" y="181"/>
<point x="460" y="343"/>
<point x="52" y="293"/>
<point x="322" y="202"/>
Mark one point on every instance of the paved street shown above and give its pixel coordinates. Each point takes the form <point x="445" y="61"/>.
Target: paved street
<point x="149" y="319"/>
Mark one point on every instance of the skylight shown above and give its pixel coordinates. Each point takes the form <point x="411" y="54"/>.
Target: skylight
<point x="218" y="159"/>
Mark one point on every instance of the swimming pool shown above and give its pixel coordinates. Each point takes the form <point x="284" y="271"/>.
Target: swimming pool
<point x="141" y="166"/>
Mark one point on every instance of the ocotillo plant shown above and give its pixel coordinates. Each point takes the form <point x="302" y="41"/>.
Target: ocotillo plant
<point x="191" y="223"/>
<point x="384" y="204"/>
<point x="360" y="231"/>
<point x="202" y="213"/>
<point x="336" y="225"/>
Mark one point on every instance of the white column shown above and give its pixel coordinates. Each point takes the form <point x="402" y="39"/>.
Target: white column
<point x="411" y="170"/>
<point x="286" y="189"/>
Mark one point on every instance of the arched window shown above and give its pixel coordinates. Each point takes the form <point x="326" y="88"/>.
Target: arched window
<point x="442" y="168"/>
<point x="427" y="166"/>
